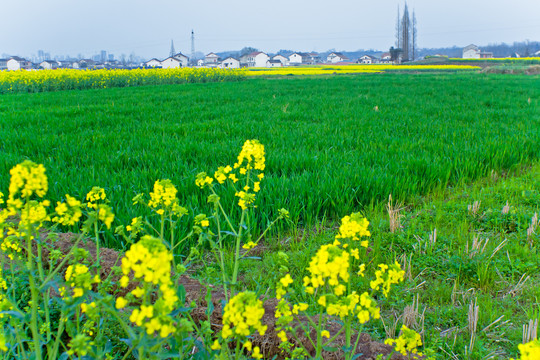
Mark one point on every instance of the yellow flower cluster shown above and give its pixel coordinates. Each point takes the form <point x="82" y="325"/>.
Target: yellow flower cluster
<point x="328" y="266"/>
<point x="4" y="302"/>
<point x="242" y="316"/>
<point x="354" y="227"/>
<point x="69" y="212"/>
<point x="95" y="195"/>
<point x="105" y="214"/>
<point x="79" y="279"/>
<point x="34" y="213"/>
<point x="10" y="246"/>
<point x="27" y="179"/>
<point x="251" y="157"/>
<point x="386" y="279"/>
<point x="164" y="197"/>
<point x="224" y="172"/>
<point x="203" y="180"/>
<point x="407" y="342"/>
<point x="530" y="350"/>
<point x="361" y="306"/>
<point x="150" y="262"/>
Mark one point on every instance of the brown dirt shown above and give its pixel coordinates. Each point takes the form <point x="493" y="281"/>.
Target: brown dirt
<point x="196" y="292"/>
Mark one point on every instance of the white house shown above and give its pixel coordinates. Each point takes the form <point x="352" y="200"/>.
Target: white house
<point x="298" y="58"/>
<point x="336" y="57"/>
<point x="184" y="60"/>
<point x="200" y="62"/>
<point x="367" y="59"/>
<point x="230" y="63"/>
<point x="171" y="63"/>
<point x="211" y="59"/>
<point x="17" y="63"/>
<point x="314" y="58"/>
<point x="257" y="59"/>
<point x="386" y="58"/>
<point x="84" y="64"/>
<point x="284" y="60"/>
<point x="473" y="52"/>
<point x="153" y="63"/>
<point x="274" y="63"/>
<point x="49" y="64"/>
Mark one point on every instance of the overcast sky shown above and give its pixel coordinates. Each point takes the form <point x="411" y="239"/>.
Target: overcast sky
<point x="72" y="27"/>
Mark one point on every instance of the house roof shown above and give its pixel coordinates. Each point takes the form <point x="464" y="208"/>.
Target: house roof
<point x="255" y="53"/>
<point x="469" y="47"/>
<point x="172" y="58"/>
<point x="180" y="54"/>
<point x="211" y="54"/>
<point x="275" y="56"/>
<point x="154" y="59"/>
<point x="274" y="61"/>
<point x="338" y="54"/>
<point x="16" y="58"/>
<point x="231" y="57"/>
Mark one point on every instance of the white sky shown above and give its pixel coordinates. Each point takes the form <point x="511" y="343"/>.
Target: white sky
<point x="70" y="27"/>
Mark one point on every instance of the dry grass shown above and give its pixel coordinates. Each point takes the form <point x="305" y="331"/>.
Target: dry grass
<point x="394" y="214"/>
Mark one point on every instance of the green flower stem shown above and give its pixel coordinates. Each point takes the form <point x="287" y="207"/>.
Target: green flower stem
<point x="56" y="345"/>
<point x="220" y="251"/>
<point x="225" y="214"/>
<point x="350" y="356"/>
<point x="33" y="288"/>
<point x="237" y="350"/>
<point x="237" y="254"/>
<point x="162" y="231"/>
<point x="97" y="241"/>
<point x="45" y="295"/>
<point x="318" y="354"/>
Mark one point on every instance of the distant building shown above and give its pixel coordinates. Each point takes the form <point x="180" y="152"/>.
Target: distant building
<point x="49" y="64"/>
<point x="211" y="59"/>
<point x="336" y="57"/>
<point x="184" y="60"/>
<point x="85" y="64"/>
<point x="256" y="59"/>
<point x="298" y="58"/>
<point x="386" y="58"/>
<point x="153" y="63"/>
<point x="367" y="59"/>
<point x="274" y="63"/>
<point x="314" y="58"/>
<point x="284" y="60"/>
<point x="230" y="63"/>
<point x="3" y="64"/>
<point x="171" y="63"/>
<point x="200" y="62"/>
<point x="17" y="63"/>
<point x="473" y="52"/>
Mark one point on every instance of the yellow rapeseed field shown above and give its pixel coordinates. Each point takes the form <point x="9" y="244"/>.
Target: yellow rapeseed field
<point x="69" y="79"/>
<point x="353" y="69"/>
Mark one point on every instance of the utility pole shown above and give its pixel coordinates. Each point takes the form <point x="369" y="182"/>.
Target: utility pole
<point x="192" y="46"/>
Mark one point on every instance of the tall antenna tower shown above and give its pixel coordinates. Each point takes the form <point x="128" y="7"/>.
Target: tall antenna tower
<point x="172" y="49"/>
<point x="192" y="46"/>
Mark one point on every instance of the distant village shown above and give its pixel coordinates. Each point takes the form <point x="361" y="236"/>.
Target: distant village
<point x="254" y="59"/>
